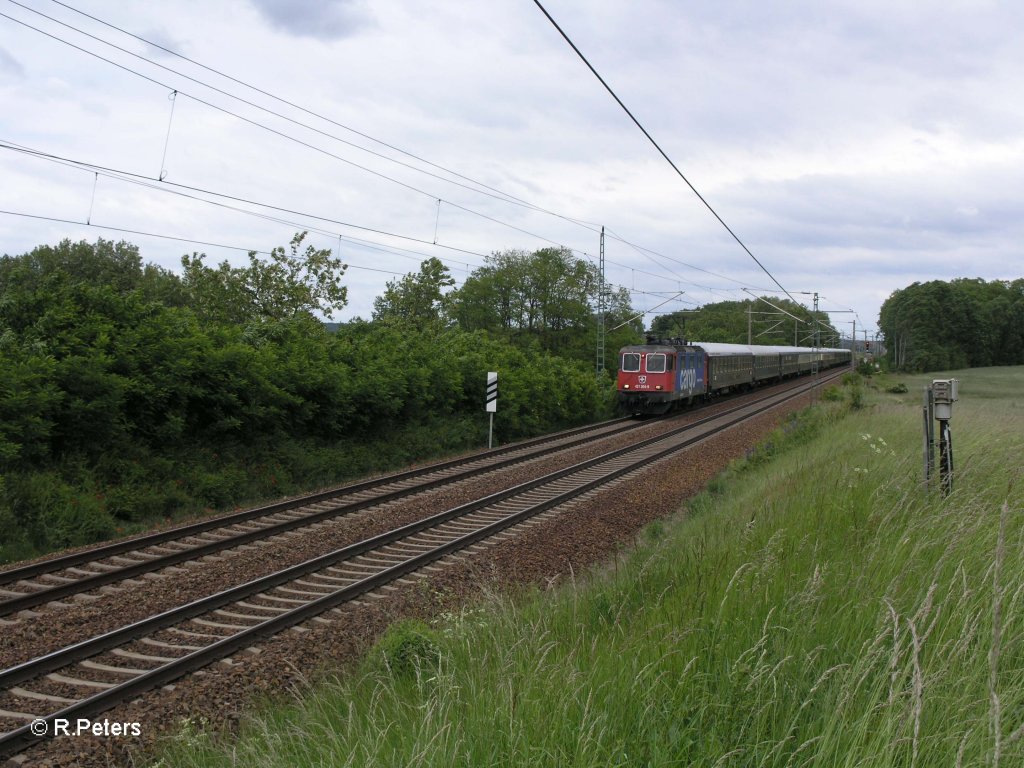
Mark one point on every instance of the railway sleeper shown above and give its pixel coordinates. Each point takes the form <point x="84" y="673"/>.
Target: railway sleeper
<point x="126" y="671"/>
<point x="289" y="600"/>
<point x="56" y="677"/>
<point x="242" y="616"/>
<point x="141" y="656"/>
<point x="218" y="624"/>
<point x="254" y="607"/>
<point x="25" y="693"/>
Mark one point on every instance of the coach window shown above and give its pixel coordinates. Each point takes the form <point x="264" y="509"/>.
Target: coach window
<point x="656" y="362"/>
<point x="630" y="362"/>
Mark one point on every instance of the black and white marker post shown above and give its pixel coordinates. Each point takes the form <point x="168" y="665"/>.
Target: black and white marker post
<point x="492" y="403"/>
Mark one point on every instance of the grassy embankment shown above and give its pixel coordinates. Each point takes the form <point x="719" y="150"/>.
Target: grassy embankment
<point x="815" y="607"/>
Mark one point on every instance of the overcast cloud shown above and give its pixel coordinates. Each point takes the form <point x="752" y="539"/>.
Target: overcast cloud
<point x="855" y="147"/>
<point x="323" y="20"/>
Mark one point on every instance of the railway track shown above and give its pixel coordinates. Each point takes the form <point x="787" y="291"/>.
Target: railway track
<point x="58" y="578"/>
<point x="90" y="677"/>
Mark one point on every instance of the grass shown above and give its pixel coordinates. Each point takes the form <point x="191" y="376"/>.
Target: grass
<point x="819" y="607"/>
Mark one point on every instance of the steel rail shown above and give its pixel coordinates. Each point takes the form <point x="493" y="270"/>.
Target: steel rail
<point x="23" y="737"/>
<point x="202" y="526"/>
<point x="87" y="648"/>
<point x="27" y="600"/>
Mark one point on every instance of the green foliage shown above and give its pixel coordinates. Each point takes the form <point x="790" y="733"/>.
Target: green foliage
<point x="856" y="397"/>
<point x="407" y="648"/>
<point x="832" y="394"/>
<point x="545" y="300"/>
<point x="417" y="299"/>
<point x="135" y="395"/>
<point x="729" y="322"/>
<point x="823" y="609"/>
<point x="960" y="324"/>
<point x="854" y="390"/>
<point x="51" y="512"/>
<point x="28" y="399"/>
<point x="541" y="296"/>
<point x="865" y="368"/>
<point x="284" y="287"/>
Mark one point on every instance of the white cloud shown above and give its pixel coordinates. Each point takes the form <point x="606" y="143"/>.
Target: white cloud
<point x="853" y="146"/>
<point x="10" y="65"/>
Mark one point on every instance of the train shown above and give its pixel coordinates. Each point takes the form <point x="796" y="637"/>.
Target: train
<point x="667" y="373"/>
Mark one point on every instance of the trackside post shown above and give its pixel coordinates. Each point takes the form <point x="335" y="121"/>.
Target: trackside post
<point x="939" y="397"/>
<point x="491" y="404"/>
<point x="946" y="393"/>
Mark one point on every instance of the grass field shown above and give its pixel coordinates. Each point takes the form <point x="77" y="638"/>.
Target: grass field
<point x="817" y="606"/>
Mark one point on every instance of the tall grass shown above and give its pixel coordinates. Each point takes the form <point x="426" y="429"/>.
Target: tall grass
<point x="821" y="608"/>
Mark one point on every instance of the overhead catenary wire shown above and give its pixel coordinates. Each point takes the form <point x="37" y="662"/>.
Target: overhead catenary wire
<point x="193" y="241"/>
<point x="483" y="189"/>
<point x="175" y="188"/>
<point x="658" y="147"/>
<point x="183" y="190"/>
<point x="177" y="238"/>
<point x="168" y="188"/>
<point x="644" y="312"/>
<point x="178" y="190"/>
<point x="506" y="195"/>
<point x="285" y="136"/>
<point x="313" y="147"/>
<point x="649" y="253"/>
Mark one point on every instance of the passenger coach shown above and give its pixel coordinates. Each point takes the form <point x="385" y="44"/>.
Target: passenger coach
<point x="656" y="376"/>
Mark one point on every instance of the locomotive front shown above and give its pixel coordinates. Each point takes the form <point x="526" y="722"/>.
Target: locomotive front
<point x="646" y="381"/>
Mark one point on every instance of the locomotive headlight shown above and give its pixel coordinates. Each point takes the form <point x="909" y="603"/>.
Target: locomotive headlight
<point x="657" y="386"/>
<point x="625" y="386"/>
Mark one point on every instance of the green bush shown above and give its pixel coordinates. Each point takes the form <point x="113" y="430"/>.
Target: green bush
<point x="855" y="394"/>
<point x="136" y="403"/>
<point x="51" y="512"/>
<point x="832" y="395"/>
<point x="407" y="647"/>
<point x="865" y="368"/>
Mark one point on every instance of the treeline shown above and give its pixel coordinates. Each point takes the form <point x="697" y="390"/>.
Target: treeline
<point x="965" y="323"/>
<point x="782" y="322"/>
<point x="542" y="300"/>
<point x="129" y="393"/>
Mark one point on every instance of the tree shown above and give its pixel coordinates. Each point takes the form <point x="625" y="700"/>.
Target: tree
<point x="418" y="299"/>
<point x="729" y="322"/>
<point x="963" y="323"/>
<point x="42" y="291"/>
<point x="542" y="298"/>
<point x="285" y="286"/>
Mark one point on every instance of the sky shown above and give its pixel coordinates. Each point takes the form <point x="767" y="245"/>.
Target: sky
<point x="853" y="147"/>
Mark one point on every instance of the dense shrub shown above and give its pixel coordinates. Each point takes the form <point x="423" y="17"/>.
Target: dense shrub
<point x="407" y="648"/>
<point x="121" y="404"/>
